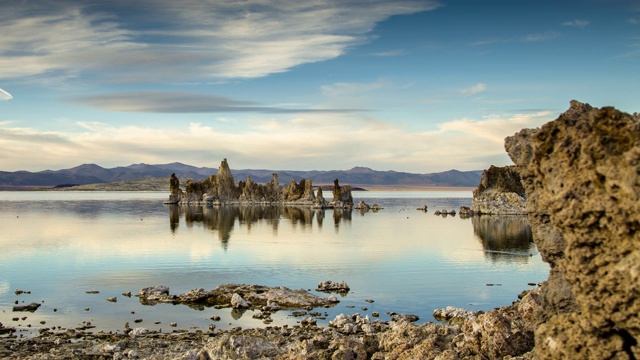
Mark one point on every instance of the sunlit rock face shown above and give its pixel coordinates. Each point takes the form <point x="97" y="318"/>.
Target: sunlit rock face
<point x="581" y="177"/>
<point x="225" y="187"/>
<point x="499" y="192"/>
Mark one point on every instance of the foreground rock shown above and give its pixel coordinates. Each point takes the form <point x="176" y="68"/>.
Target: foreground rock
<point x="239" y="296"/>
<point x="499" y="192"/>
<point x="581" y="176"/>
<point x="504" y="332"/>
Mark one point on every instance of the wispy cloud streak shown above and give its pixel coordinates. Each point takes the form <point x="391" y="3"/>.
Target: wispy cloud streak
<point x="4" y="95"/>
<point x="475" y="89"/>
<point x="157" y="41"/>
<point x="182" y="102"/>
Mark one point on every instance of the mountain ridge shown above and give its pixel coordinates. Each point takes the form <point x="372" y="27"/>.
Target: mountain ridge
<point x="358" y="175"/>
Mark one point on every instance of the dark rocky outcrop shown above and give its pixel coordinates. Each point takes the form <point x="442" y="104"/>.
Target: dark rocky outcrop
<point x="499" y="192"/>
<point x="581" y="176"/>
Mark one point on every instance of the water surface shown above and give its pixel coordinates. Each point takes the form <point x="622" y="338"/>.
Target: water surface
<point x="59" y="245"/>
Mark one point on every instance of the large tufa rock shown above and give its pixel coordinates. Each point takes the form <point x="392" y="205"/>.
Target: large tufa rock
<point x="176" y="193"/>
<point x="341" y="195"/>
<point x="225" y="187"/>
<point x="499" y="192"/>
<point x="581" y="176"/>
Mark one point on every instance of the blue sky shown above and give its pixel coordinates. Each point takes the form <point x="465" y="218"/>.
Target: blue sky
<point x="418" y="86"/>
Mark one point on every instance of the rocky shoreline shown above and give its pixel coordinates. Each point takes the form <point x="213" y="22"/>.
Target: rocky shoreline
<point x="462" y="333"/>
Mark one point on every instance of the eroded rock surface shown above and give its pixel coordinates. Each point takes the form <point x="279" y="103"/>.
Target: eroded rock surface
<point x="581" y="177"/>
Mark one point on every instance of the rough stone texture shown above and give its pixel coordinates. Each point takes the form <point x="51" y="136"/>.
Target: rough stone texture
<point x="581" y="176"/>
<point x="499" y="192"/>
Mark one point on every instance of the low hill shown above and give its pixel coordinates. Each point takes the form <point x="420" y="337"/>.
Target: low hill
<point x="94" y="174"/>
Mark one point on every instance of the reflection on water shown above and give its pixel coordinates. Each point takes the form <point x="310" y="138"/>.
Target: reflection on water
<point x="503" y="238"/>
<point x="221" y="219"/>
<point x="406" y="260"/>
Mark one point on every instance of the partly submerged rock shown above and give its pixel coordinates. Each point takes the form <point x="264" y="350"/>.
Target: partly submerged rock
<point x="29" y="307"/>
<point x="330" y="286"/>
<point x="256" y="295"/>
<point x="499" y="192"/>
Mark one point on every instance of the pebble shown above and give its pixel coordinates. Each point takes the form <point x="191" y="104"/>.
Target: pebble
<point x="112" y="299"/>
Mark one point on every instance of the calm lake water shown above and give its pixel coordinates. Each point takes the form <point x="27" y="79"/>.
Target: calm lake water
<point x="59" y="245"/>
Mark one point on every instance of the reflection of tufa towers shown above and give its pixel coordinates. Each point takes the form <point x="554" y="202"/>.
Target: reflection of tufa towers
<point x="504" y="238"/>
<point x="221" y="189"/>
<point x="222" y="219"/>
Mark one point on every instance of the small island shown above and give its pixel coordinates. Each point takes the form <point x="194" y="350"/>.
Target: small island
<point x="221" y="189"/>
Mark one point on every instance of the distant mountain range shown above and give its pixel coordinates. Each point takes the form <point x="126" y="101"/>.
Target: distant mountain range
<point x="94" y="174"/>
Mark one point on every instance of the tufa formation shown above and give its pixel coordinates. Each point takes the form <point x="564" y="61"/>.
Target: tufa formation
<point x="221" y="189"/>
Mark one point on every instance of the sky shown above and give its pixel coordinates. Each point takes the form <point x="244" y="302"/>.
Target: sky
<point x="417" y="86"/>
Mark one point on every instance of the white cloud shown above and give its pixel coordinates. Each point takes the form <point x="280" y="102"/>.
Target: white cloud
<point x="475" y="89"/>
<point x="307" y="141"/>
<point x="342" y="89"/>
<point x="633" y="21"/>
<point x="195" y="41"/>
<point x="390" y="53"/>
<point x="546" y="36"/>
<point x="577" y="23"/>
<point x="4" y="95"/>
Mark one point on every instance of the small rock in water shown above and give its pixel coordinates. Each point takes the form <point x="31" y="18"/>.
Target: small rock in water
<point x="328" y="286"/>
<point x="405" y="317"/>
<point x="112" y="299"/>
<point x="30" y="307"/>
<point x="19" y="292"/>
<point x="155" y="290"/>
<point x="92" y="292"/>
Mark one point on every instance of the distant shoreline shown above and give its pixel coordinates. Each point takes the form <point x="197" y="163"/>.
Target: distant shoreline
<point x="356" y="188"/>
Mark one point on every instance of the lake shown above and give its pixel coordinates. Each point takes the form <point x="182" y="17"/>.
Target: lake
<point x="59" y="245"/>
